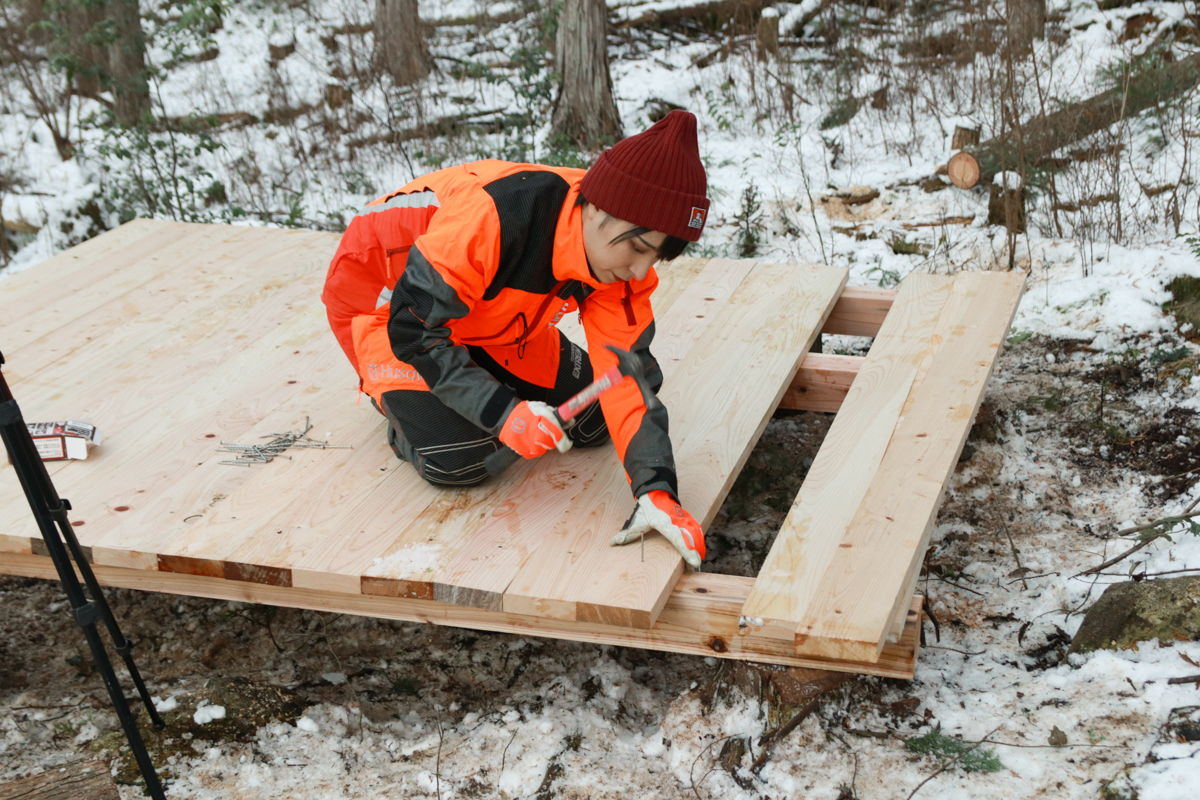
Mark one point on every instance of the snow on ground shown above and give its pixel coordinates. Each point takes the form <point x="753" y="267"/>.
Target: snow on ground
<point x="1086" y="403"/>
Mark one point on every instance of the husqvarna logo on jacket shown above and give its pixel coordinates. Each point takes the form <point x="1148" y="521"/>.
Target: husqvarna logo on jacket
<point x="378" y="372"/>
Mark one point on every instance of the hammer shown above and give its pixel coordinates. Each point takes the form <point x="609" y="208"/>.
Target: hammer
<point x="628" y="366"/>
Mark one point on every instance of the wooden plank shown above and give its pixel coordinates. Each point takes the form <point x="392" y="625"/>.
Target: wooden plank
<point x="701" y="616"/>
<point x="822" y="382"/>
<point x="860" y="311"/>
<point x="482" y="570"/>
<point x="720" y="400"/>
<point x="158" y="254"/>
<point x="83" y="780"/>
<point x="349" y="526"/>
<point x="155" y="351"/>
<point x="268" y="387"/>
<point x="848" y="458"/>
<point x="862" y="589"/>
<point x="408" y="566"/>
<point x="225" y="268"/>
<point x="170" y="393"/>
<point x="126" y="325"/>
<point x="64" y="269"/>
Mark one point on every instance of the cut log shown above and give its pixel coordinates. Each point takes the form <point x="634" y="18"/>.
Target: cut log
<point x="1042" y="136"/>
<point x="88" y="779"/>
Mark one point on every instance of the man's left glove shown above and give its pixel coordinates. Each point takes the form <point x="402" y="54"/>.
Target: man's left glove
<point x="657" y="510"/>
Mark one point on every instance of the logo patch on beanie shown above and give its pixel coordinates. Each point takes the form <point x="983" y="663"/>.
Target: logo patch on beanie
<point x="697" y="220"/>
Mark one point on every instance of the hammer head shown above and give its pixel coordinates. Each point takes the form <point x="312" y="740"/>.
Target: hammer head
<point x="631" y="366"/>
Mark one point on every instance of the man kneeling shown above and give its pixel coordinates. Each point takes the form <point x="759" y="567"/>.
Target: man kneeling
<point x="446" y="294"/>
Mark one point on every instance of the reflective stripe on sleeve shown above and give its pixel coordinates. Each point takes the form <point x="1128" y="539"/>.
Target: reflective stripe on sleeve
<point x="413" y="200"/>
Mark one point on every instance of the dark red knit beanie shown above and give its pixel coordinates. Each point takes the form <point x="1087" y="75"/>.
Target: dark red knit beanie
<point x="654" y="179"/>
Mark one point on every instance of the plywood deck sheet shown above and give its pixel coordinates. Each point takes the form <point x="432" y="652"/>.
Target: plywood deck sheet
<point x="848" y="553"/>
<point x="179" y="354"/>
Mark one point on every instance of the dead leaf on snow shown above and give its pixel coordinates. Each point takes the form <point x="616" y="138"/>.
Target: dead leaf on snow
<point x="1057" y="737"/>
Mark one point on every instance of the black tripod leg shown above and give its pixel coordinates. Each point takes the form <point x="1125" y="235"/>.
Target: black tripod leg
<point x="42" y="497"/>
<point x="121" y="644"/>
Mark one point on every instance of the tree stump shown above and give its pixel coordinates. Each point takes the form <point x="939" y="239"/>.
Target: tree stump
<point x="768" y="34"/>
<point x="964" y="138"/>
<point x="1006" y="204"/>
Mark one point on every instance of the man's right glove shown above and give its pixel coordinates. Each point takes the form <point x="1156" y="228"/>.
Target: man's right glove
<point x="532" y="429"/>
<point x="657" y="510"/>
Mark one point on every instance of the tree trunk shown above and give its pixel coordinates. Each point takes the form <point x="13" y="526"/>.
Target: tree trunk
<point x="90" y="61"/>
<point x="1042" y="136"/>
<point x="127" y="63"/>
<point x="585" y="112"/>
<point x="399" y="44"/>
<point x="1026" y="22"/>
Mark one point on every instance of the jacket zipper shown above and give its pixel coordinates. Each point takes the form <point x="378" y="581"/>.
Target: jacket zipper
<point x="627" y="301"/>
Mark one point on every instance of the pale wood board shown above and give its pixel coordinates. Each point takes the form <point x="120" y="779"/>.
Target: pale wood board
<point x="891" y="525"/>
<point x="349" y="526"/>
<point x="700" y="618"/>
<point x="409" y="565"/>
<point x="720" y="398"/>
<point x="132" y="323"/>
<point x="195" y="362"/>
<point x="147" y="258"/>
<point x="37" y="361"/>
<point x="849" y="457"/>
<point x="67" y="267"/>
<point x="484" y="568"/>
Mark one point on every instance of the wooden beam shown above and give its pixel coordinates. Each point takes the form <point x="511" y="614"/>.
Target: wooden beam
<point x="701" y="616"/>
<point x="860" y="311"/>
<point x="822" y="382"/>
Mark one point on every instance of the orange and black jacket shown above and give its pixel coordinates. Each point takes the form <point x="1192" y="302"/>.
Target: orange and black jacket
<point x="501" y="262"/>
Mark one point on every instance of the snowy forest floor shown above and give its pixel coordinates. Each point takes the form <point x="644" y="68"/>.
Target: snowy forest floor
<point x="1091" y="422"/>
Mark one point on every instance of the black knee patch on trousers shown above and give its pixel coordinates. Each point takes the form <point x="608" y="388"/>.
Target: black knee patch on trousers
<point x="442" y="446"/>
<point x="448" y="450"/>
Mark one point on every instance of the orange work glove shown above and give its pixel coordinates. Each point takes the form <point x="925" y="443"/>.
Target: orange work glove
<point x="657" y="510"/>
<point x="532" y="429"/>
